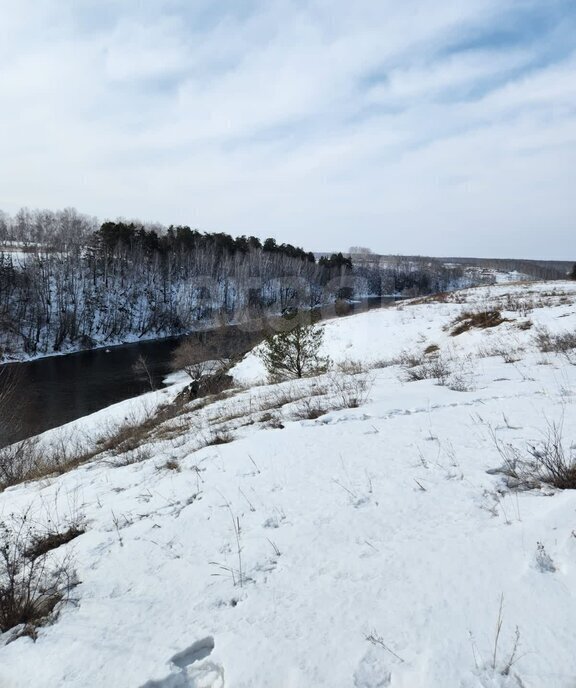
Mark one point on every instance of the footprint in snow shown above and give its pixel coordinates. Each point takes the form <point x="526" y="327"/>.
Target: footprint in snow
<point x="492" y="679"/>
<point x="372" y="672"/>
<point x="192" y="669"/>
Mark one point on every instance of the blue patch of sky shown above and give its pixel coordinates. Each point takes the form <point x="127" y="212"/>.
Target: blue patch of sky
<point x="205" y="15"/>
<point x="547" y="27"/>
<point x="483" y="86"/>
<point x="545" y="30"/>
<point x="95" y="16"/>
<point x="198" y="17"/>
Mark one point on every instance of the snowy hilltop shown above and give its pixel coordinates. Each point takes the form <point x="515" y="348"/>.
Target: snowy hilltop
<point x="406" y="519"/>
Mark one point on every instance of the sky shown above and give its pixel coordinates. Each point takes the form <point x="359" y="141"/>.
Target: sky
<point x="441" y="128"/>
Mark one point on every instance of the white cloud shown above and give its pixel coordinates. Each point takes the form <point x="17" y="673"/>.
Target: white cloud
<point x="324" y="123"/>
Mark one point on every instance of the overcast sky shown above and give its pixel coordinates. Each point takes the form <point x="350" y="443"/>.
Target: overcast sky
<point x="442" y="127"/>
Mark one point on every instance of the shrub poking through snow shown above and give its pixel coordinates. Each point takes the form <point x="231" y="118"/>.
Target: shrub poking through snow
<point x="294" y="353"/>
<point x="19" y="461"/>
<point x="560" y="343"/>
<point x="220" y="437"/>
<point x="310" y="409"/>
<point x="547" y="462"/>
<point x="426" y="366"/>
<point x="551" y="462"/>
<point x="480" y="320"/>
<point x="33" y="581"/>
<point x="30" y="460"/>
<point x="501" y="662"/>
<point x="351" y="390"/>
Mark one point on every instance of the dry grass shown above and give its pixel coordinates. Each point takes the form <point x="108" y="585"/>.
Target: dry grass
<point x="559" y="343"/>
<point x="33" y="582"/>
<point x="440" y="297"/>
<point x="32" y="460"/>
<point x="310" y="409"/>
<point x="422" y="366"/>
<point x="468" y="320"/>
<point x="130" y="457"/>
<point x="547" y="461"/>
<point x="272" y="420"/>
<point x="351" y="391"/>
<point x="509" y="352"/>
<point x="456" y="373"/>
<point x="171" y="465"/>
<point x="42" y="543"/>
<point x="220" y="437"/>
<point x="351" y="367"/>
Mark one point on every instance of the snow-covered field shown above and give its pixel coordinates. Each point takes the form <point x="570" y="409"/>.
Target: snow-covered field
<point x="366" y="547"/>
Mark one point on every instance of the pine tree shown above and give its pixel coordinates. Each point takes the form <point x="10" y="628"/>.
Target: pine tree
<point x="573" y="273"/>
<point x="295" y="353"/>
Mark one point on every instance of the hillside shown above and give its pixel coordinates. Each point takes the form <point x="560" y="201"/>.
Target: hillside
<point x="363" y="528"/>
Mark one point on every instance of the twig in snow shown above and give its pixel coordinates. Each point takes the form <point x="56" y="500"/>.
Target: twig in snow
<point x="255" y="464"/>
<point x="277" y="551"/>
<point x="240" y="580"/>
<point x="499" y="623"/>
<point x="352" y="494"/>
<point x="252" y="507"/>
<point x="376" y="639"/>
<point x="513" y="658"/>
<point x="371" y="545"/>
<point x="116" y="523"/>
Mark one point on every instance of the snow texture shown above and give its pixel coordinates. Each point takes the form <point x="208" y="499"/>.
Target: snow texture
<point x="374" y="545"/>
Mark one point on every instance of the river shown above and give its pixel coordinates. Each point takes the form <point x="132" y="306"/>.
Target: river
<point x="55" y="390"/>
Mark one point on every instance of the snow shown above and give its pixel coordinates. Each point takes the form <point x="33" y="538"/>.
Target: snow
<point x="373" y="522"/>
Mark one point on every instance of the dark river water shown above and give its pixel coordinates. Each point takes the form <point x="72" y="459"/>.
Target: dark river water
<point x="58" y="389"/>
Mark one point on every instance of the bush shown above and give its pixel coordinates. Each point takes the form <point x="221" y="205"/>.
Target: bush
<point x="481" y="320"/>
<point x="447" y="370"/>
<point x="32" y="580"/>
<point x="19" y="462"/>
<point x="561" y="343"/>
<point x="546" y="462"/>
<point x="295" y="353"/>
<point x="220" y="437"/>
<point x="352" y="391"/>
<point x="428" y="366"/>
<point x="190" y="357"/>
<point x="351" y="367"/>
<point x="310" y="409"/>
<point x="31" y="460"/>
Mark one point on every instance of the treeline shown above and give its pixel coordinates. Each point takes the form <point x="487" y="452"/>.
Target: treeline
<point x="113" y="235"/>
<point x="400" y="276"/>
<point x="536" y="269"/>
<point x="67" y="282"/>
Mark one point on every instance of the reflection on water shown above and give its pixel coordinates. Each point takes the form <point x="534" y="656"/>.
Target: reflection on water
<point x="58" y="389"/>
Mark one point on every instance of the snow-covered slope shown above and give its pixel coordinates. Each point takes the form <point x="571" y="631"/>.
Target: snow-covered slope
<point x="375" y="549"/>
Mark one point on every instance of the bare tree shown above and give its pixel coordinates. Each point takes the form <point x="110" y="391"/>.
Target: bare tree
<point x="141" y="368"/>
<point x="190" y="357"/>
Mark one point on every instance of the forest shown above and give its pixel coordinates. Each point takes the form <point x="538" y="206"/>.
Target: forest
<point x="69" y="282"/>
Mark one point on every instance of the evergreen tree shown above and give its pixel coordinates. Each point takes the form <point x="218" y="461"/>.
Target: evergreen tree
<point x="295" y="353"/>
